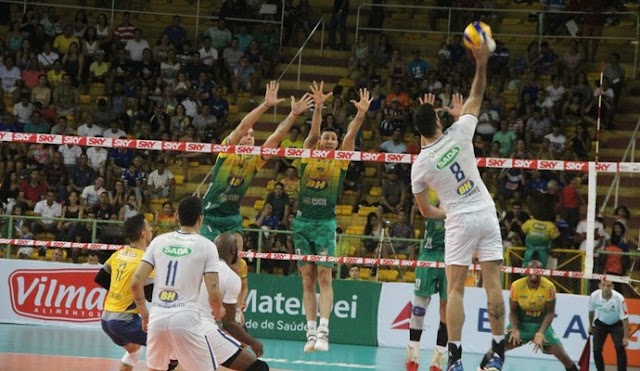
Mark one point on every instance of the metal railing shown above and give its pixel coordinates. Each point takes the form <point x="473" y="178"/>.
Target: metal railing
<point x="298" y="54"/>
<point x="112" y="10"/>
<point x="615" y="184"/>
<point x="539" y="36"/>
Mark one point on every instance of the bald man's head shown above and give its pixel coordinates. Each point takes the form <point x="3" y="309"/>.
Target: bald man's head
<point x="227" y="247"/>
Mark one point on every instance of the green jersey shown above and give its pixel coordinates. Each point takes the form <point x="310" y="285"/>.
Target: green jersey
<point x="433" y="237"/>
<point x="319" y="186"/>
<point x="232" y="176"/>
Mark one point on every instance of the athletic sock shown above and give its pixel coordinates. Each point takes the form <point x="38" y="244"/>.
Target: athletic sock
<point x="498" y="347"/>
<point x="324" y="322"/>
<point x="455" y="351"/>
<point x="414" y="335"/>
<point x="311" y="325"/>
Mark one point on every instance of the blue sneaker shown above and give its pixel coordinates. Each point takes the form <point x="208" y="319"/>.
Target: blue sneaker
<point x="495" y="363"/>
<point x="456" y="366"/>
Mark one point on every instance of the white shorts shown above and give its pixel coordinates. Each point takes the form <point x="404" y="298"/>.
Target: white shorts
<point x="468" y="233"/>
<point x="179" y="335"/>
<point x="224" y="345"/>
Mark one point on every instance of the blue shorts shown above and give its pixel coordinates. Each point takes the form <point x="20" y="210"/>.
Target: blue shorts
<point x="125" y="332"/>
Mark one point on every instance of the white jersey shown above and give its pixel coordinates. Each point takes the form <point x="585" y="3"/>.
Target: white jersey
<point x="608" y="311"/>
<point x="230" y="285"/>
<point x="180" y="260"/>
<point x="449" y="167"/>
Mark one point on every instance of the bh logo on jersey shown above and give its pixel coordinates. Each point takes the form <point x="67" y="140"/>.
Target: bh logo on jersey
<point x="168" y="296"/>
<point x="316" y="184"/>
<point x="176" y="251"/>
<point x="235" y="180"/>
<point x="465" y="188"/>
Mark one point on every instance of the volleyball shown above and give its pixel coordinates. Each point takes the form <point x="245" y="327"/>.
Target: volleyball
<point x="478" y="33"/>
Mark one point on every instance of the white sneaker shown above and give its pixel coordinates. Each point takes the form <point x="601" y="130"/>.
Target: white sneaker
<point x="322" y="342"/>
<point x="436" y="361"/>
<point x="309" y="347"/>
<point x="413" y="358"/>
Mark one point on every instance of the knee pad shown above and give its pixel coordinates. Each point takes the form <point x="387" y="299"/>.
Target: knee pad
<point x="420" y="306"/>
<point x="419" y="311"/>
<point x="258" y="365"/>
<point x="132" y="359"/>
<point x="442" y="335"/>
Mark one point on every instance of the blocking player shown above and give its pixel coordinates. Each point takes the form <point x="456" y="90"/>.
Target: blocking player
<point x="120" y="320"/>
<point x="181" y="259"/>
<point x="429" y="281"/>
<point x="314" y="228"/>
<point x="226" y="348"/>
<point x="447" y="164"/>
<point x="532" y="303"/>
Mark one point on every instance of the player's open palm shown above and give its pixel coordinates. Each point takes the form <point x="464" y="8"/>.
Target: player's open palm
<point x="365" y="101"/>
<point x="299" y="107"/>
<point x="538" y="341"/>
<point x="428" y="98"/>
<point x="514" y="337"/>
<point x="319" y="97"/>
<point x="271" y="95"/>
<point x="456" y="108"/>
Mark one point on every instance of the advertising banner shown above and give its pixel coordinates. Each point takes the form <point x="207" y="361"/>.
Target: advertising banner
<point x="37" y="292"/>
<point x="570" y="325"/>
<point x="275" y="310"/>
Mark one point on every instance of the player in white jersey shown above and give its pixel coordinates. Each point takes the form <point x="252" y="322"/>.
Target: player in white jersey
<point x="180" y="259"/>
<point x="447" y="164"/>
<point x="226" y="348"/>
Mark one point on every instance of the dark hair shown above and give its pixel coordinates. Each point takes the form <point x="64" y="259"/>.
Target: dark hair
<point x="133" y="227"/>
<point x="92" y="253"/>
<point x="615" y="239"/>
<point x="424" y="120"/>
<point x="189" y="211"/>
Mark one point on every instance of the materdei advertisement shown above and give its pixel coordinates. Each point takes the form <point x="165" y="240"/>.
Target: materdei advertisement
<point x="571" y="323"/>
<point x="36" y="292"/>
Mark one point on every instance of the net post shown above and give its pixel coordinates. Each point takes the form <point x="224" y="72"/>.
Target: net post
<point x="591" y="218"/>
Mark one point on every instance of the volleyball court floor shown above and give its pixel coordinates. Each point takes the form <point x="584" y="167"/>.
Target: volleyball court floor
<point x="25" y="347"/>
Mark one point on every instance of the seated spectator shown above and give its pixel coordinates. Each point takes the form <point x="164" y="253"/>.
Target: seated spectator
<point x="55" y="75"/>
<point x="402" y="229"/>
<point x="135" y="181"/>
<point x="48" y="57"/>
<point x="47" y="208"/>
<point x="97" y="159"/>
<point x="62" y="42"/>
<point x="616" y="76"/>
<point x="56" y="176"/>
<point x="245" y="78"/>
<point x="118" y="161"/>
<point x="91" y="194"/>
<point x="394" y="117"/>
<point x="279" y="202"/>
<point x="93" y="258"/>
<point x="136" y="46"/>
<point x="66" y="97"/>
<point x="168" y="214"/>
<point x="291" y="183"/>
<point x="265" y="219"/>
<point x="514" y="219"/>
<point x="99" y="69"/>
<point x="41" y="92"/>
<point x="512" y="185"/>
<point x="393" y="145"/>
<point x="161" y="182"/>
<point x="573" y="61"/>
<point x="10" y="75"/>
<point x="32" y="190"/>
<point x="23" y="109"/>
<point x="507" y="139"/>
<point x="545" y="152"/>
<point x="572" y="111"/>
<point x="580" y="144"/>
<point x="68" y="228"/>
<point x="24" y="233"/>
<point x="397" y="72"/>
<point x="58" y="256"/>
<point x="558" y="141"/>
<point x="81" y="175"/>
<point x="61" y="128"/>
<point x="130" y="209"/>
<point x="88" y="128"/>
<point x="354" y="273"/>
<point x="394" y="196"/>
<point x="537" y="127"/>
<point x="487" y="121"/>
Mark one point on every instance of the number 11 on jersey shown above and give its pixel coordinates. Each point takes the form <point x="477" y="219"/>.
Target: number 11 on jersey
<point x="172" y="268"/>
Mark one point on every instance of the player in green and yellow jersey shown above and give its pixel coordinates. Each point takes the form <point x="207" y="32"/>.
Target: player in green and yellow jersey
<point x="314" y="228"/>
<point x="429" y="281"/>
<point x="532" y="303"/>
<point x="539" y="234"/>
<point x="120" y="320"/>
<point x="233" y="173"/>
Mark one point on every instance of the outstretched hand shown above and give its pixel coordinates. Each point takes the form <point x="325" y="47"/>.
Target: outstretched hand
<point x="482" y="54"/>
<point x="271" y="95"/>
<point x="456" y="109"/>
<point x="365" y="100"/>
<point x="318" y="96"/>
<point x="299" y="107"/>
<point x="428" y="98"/>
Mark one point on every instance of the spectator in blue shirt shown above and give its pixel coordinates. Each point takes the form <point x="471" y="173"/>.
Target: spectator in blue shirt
<point x="418" y="68"/>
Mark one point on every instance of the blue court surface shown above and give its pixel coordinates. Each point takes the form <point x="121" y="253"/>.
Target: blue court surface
<point x="25" y="347"/>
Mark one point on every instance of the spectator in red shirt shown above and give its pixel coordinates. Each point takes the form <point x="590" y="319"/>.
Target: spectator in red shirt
<point x="570" y="202"/>
<point x="33" y="189"/>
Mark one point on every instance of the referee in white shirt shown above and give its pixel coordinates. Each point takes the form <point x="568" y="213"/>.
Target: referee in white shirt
<point x="608" y="314"/>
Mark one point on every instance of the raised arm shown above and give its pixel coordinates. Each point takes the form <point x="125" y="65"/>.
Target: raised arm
<point x="349" y="141"/>
<point x="479" y="85"/>
<point x="318" y="99"/>
<point x="297" y="109"/>
<point x="270" y="100"/>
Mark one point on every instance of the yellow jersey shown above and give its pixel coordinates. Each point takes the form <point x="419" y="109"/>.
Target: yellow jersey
<point x="532" y="302"/>
<point x="243" y="270"/>
<point x="122" y="265"/>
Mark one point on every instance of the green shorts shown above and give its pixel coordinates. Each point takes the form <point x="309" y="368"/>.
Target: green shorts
<point x="528" y="333"/>
<point x="213" y="226"/>
<point x="542" y="255"/>
<point x="430" y="281"/>
<point x="314" y="237"/>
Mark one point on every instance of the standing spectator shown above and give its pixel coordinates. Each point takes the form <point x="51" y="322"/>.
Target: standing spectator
<point x="339" y="23"/>
<point x="539" y="235"/>
<point x="175" y="32"/>
<point x="570" y="202"/>
<point x="616" y="76"/>
<point x="124" y="32"/>
<point x="608" y="314"/>
<point x="593" y="25"/>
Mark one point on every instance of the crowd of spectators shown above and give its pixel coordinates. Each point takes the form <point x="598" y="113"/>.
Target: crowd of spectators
<point x="540" y="105"/>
